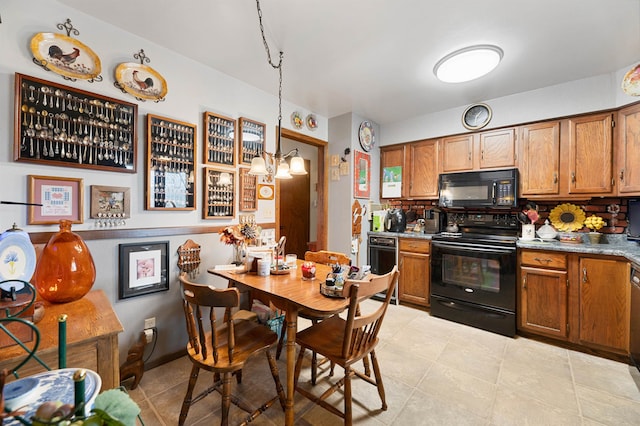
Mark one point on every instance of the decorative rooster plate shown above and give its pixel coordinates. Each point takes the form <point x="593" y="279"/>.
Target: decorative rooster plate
<point x="65" y="56"/>
<point x="141" y="81"/>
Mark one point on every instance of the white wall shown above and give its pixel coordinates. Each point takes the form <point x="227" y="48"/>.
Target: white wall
<point x="192" y="89"/>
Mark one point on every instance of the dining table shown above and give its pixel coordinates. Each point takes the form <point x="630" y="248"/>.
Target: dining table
<point x="292" y="293"/>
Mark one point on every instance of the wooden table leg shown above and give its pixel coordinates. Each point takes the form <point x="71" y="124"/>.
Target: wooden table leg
<point x="292" y="325"/>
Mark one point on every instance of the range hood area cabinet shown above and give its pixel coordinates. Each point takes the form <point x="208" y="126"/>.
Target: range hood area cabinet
<point x="590" y="155"/>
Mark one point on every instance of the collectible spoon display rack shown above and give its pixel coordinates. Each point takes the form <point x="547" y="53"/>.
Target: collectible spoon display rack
<point x="252" y="140"/>
<point x="219" y="196"/>
<point x="62" y="126"/>
<point x="219" y="134"/>
<point x="171" y="148"/>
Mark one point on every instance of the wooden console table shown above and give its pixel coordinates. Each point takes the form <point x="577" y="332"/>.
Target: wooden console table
<point x="92" y="339"/>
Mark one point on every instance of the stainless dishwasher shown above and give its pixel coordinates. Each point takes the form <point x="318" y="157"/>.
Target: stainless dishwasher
<point x="634" y="338"/>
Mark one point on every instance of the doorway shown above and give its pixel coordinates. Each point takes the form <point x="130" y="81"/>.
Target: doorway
<point x="288" y="203"/>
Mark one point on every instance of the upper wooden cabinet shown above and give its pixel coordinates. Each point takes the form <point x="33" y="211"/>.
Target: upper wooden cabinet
<point x="423" y="168"/>
<point x="457" y="153"/>
<point x="497" y="149"/>
<point x="540" y="159"/>
<point x="393" y="156"/>
<point x="590" y="154"/>
<point x="628" y="147"/>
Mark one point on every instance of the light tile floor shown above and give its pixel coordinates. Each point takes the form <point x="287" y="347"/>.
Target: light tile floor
<point x="434" y="372"/>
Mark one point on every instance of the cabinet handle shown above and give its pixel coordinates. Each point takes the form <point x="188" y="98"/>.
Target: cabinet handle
<point x="555" y="178"/>
<point x="621" y="175"/>
<point x="482" y="154"/>
<point x="524" y="282"/>
<point x="537" y="259"/>
<point x="469" y="155"/>
<point x="573" y="177"/>
<point x="584" y="275"/>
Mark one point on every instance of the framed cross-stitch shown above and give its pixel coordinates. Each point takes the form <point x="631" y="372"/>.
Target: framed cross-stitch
<point x="61" y="198"/>
<point x="144" y="268"/>
<point x="361" y="175"/>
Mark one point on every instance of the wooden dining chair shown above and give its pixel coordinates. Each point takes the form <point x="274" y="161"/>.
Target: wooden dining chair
<point x="324" y="257"/>
<point x="347" y="341"/>
<point x="223" y="347"/>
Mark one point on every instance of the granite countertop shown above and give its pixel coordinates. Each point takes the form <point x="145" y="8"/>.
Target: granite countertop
<point x="610" y="245"/>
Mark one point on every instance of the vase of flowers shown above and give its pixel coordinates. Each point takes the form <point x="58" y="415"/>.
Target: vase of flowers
<point x="594" y="223"/>
<point x="238" y="236"/>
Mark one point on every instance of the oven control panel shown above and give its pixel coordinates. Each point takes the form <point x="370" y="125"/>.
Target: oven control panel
<point x="485" y="220"/>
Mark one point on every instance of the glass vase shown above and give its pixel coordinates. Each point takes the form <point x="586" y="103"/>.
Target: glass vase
<point x="238" y="254"/>
<point x="65" y="271"/>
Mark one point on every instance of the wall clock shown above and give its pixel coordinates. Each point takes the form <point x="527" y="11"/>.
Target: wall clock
<point x="366" y="136"/>
<point x="476" y="116"/>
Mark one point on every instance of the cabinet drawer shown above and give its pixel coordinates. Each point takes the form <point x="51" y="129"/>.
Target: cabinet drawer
<point x="546" y="259"/>
<point x="415" y="246"/>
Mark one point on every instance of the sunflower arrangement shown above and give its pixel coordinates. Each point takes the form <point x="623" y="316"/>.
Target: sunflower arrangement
<point x="567" y="217"/>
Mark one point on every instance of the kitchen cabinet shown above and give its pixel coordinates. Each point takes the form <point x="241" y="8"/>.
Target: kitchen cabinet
<point x="540" y="159"/>
<point x="590" y="141"/>
<point x="544" y="293"/>
<point x="628" y="155"/>
<point x="604" y="303"/>
<point x="415" y="271"/>
<point x="497" y="149"/>
<point x="393" y="156"/>
<point x="423" y="169"/>
<point x="457" y="153"/>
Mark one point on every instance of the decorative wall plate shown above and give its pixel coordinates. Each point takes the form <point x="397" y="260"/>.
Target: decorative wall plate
<point x="265" y="192"/>
<point x="312" y="122"/>
<point x="631" y="81"/>
<point x="141" y="81"/>
<point x="567" y="217"/>
<point x="366" y="136"/>
<point x="296" y="120"/>
<point x="65" y="56"/>
<point x="17" y="256"/>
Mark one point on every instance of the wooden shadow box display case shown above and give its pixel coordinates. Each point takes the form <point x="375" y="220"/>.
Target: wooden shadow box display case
<point x="219" y="194"/>
<point x="248" y="191"/>
<point x="220" y="137"/>
<point x="62" y="126"/>
<point x="251" y="140"/>
<point x="171" y="156"/>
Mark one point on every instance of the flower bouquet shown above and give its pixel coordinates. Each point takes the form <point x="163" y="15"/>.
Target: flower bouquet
<point x="594" y="223"/>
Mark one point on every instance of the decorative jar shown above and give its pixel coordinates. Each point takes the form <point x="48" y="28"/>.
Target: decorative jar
<point x="65" y="271"/>
<point x="594" y="237"/>
<point x="308" y="270"/>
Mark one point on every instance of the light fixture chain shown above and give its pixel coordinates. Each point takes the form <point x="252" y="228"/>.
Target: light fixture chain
<point x="278" y="66"/>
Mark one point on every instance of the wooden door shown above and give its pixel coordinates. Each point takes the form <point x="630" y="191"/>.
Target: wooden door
<point x="591" y="154"/>
<point x="415" y="277"/>
<point x="423" y="169"/>
<point x="604" y="303"/>
<point x="393" y="156"/>
<point x="498" y="149"/>
<point x="457" y="153"/>
<point x="543" y="301"/>
<point x="628" y="146"/>
<point x="294" y="196"/>
<point x="540" y="159"/>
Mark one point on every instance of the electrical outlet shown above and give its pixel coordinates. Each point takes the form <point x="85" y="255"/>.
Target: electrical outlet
<point x="150" y="322"/>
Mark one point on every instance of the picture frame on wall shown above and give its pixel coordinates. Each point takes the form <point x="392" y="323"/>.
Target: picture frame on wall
<point x="144" y="268"/>
<point x="361" y="175"/>
<point x="110" y="202"/>
<point x="59" y="198"/>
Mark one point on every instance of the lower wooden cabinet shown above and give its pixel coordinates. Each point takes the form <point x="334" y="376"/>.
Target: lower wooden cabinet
<point x="414" y="264"/>
<point x="543" y="301"/>
<point x="604" y="303"/>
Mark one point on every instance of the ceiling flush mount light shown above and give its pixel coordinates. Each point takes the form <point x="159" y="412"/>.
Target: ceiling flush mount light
<point x="468" y="63"/>
<point x="277" y="161"/>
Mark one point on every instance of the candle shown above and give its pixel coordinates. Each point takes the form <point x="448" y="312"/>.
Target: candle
<point x="62" y="341"/>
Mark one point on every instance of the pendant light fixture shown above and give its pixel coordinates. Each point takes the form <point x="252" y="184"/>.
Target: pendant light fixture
<point x="277" y="161"/>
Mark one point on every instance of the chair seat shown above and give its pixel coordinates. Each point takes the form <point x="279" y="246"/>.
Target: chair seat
<point x="327" y="338"/>
<point x="255" y="338"/>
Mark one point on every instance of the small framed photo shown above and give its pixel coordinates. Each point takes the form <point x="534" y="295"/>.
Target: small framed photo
<point x="144" y="268"/>
<point x="110" y="202"/>
<point x="60" y="198"/>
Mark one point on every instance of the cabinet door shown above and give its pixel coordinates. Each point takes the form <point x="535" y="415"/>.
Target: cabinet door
<point x="540" y="159"/>
<point x="628" y="145"/>
<point x="543" y="301"/>
<point x="457" y="153"/>
<point x="591" y="154"/>
<point x="604" y="303"/>
<point x="415" y="277"/>
<point x="498" y="149"/>
<point x="393" y="157"/>
<point x="423" y="169"/>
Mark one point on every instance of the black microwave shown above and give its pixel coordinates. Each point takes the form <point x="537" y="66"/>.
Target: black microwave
<point x="633" y="219"/>
<point x="481" y="189"/>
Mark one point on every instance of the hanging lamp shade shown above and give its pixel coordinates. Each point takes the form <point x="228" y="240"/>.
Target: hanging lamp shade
<point x="283" y="170"/>
<point x="297" y="166"/>
<point x="258" y="167"/>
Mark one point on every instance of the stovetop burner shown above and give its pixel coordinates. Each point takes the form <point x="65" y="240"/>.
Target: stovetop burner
<point x="482" y="228"/>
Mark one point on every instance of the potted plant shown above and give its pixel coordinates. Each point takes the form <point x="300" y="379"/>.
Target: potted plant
<point x="594" y="223"/>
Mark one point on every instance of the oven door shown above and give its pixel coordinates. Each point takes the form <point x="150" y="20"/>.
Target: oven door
<point x="477" y="274"/>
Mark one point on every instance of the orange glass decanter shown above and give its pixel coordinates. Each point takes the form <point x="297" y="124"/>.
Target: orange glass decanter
<point x="65" y="271"/>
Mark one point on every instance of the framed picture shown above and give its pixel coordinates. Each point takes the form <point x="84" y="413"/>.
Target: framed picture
<point x="361" y="175"/>
<point x="110" y="202"/>
<point x="144" y="268"/>
<point x="61" y="198"/>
